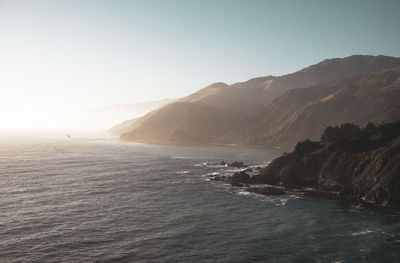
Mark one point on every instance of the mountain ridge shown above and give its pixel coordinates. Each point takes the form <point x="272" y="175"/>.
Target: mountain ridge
<point x="233" y="105"/>
<point x="304" y="113"/>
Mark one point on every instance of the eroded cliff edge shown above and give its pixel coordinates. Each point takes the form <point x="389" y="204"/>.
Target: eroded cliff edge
<point x="358" y="164"/>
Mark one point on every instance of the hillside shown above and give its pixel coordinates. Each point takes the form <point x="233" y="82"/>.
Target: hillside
<point x="105" y="117"/>
<point x="186" y="123"/>
<point x="121" y="128"/>
<point x="211" y="114"/>
<point x="304" y="113"/>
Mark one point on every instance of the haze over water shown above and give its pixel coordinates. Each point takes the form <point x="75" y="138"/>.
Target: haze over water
<point x="232" y="71"/>
<point x="108" y="201"/>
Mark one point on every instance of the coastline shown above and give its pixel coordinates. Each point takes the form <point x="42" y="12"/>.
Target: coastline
<point x="239" y="179"/>
<point x="198" y="144"/>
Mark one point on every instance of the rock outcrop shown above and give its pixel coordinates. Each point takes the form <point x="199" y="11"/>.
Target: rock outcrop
<point x="358" y="164"/>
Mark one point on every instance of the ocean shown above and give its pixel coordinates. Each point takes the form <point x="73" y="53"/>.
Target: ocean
<point x="81" y="200"/>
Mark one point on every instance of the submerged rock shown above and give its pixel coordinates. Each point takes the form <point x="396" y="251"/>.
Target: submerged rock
<point x="266" y="190"/>
<point x="237" y="164"/>
<point x="237" y="184"/>
<point x="219" y="178"/>
<point x="320" y="195"/>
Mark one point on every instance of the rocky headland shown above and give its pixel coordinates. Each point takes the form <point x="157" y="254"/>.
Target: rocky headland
<point x="348" y="163"/>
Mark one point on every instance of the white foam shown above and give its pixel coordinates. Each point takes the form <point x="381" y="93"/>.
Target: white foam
<point x="387" y="234"/>
<point x="364" y="232"/>
<point x="282" y="202"/>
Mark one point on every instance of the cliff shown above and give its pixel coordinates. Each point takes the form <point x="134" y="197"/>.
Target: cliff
<point x="358" y="164"/>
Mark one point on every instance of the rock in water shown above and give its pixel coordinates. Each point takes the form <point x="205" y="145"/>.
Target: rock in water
<point x="239" y="177"/>
<point x="237" y="164"/>
<point x="266" y="190"/>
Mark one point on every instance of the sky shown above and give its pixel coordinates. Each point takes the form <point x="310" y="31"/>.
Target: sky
<point x="58" y="57"/>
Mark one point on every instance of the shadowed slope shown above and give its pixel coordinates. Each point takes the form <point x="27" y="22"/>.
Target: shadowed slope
<point x="220" y="109"/>
<point x="304" y="113"/>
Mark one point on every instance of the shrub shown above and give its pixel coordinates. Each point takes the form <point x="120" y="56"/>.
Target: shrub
<point x="305" y="147"/>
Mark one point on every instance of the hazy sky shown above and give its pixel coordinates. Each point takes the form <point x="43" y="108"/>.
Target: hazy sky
<point x="60" y="56"/>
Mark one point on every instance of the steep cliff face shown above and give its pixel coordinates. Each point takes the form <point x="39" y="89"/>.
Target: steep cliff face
<point x="359" y="164"/>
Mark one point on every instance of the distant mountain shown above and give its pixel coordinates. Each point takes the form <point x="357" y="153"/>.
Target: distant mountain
<point x="199" y="118"/>
<point x="106" y="117"/>
<point x="121" y="128"/>
<point x="304" y="113"/>
<point x="220" y="113"/>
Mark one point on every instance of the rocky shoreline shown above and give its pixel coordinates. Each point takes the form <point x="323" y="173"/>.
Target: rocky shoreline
<point x="274" y="190"/>
<point x="349" y="164"/>
<point x="243" y="180"/>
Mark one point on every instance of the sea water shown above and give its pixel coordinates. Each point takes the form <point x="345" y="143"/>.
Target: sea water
<point x="79" y="200"/>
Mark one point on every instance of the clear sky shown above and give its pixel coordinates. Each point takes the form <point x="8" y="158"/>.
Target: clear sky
<point x="59" y="56"/>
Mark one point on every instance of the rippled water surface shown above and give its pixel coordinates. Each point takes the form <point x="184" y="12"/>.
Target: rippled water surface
<point x="107" y="201"/>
